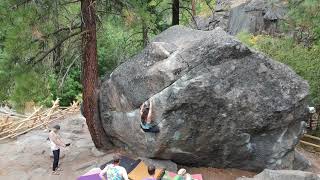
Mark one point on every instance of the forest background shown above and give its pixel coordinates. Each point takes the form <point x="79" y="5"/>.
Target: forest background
<point x="40" y="42"/>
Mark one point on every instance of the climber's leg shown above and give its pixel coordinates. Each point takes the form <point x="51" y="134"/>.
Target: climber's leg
<point x="146" y="127"/>
<point x="154" y="129"/>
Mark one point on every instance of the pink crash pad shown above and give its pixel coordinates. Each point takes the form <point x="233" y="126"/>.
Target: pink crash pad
<point x="93" y="174"/>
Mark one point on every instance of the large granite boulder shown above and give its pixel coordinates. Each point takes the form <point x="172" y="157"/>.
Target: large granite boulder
<point x="217" y="103"/>
<point x="300" y="162"/>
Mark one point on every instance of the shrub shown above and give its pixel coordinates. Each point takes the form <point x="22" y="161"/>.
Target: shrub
<point x="304" y="61"/>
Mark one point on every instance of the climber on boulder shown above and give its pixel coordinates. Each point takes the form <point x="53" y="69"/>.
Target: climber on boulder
<point x="146" y="111"/>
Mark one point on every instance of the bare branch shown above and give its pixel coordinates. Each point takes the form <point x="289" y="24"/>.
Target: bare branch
<point x="78" y="26"/>
<point x="109" y="12"/>
<point x="165" y="10"/>
<point x="210" y="7"/>
<point x="68" y="69"/>
<point x="189" y="11"/>
<point x="131" y="36"/>
<point x="46" y="53"/>
<point x="70" y="2"/>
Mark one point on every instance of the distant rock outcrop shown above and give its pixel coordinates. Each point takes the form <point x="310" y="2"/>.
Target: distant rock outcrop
<point x="217" y="103"/>
<point x="254" y="16"/>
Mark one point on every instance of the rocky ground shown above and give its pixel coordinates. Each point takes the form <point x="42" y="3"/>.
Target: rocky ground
<point x="28" y="157"/>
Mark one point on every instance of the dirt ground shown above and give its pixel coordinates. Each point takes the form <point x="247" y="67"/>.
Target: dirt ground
<point x="220" y="174"/>
<point x="312" y="155"/>
<point x="28" y="156"/>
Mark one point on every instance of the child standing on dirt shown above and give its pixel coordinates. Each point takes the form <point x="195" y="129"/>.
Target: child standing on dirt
<point x="55" y="144"/>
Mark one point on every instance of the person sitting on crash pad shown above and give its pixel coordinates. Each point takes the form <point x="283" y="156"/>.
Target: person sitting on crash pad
<point x="182" y="175"/>
<point x="146" y="117"/>
<point x="151" y="172"/>
<point x="114" y="171"/>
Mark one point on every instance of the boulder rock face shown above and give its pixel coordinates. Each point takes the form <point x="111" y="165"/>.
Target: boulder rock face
<point x="300" y="162"/>
<point x="217" y="103"/>
<point x="254" y="16"/>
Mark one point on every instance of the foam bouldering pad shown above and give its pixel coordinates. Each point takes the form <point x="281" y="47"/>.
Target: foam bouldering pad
<point x="141" y="172"/>
<point x="91" y="175"/>
<point x="170" y="175"/>
<point x="126" y="162"/>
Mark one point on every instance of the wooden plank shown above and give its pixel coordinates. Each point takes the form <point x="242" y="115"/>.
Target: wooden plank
<point x="29" y="117"/>
<point x="6" y="131"/>
<point x="309" y="144"/>
<point x="8" y="136"/>
<point x="63" y="107"/>
<point x="5" y="121"/>
<point x="20" y="124"/>
<point x="45" y="117"/>
<point x="35" y="121"/>
<point x="15" y="135"/>
<point x="3" y="125"/>
<point x="14" y="115"/>
<point x="54" y="107"/>
<point x="17" y="128"/>
<point x="312" y="137"/>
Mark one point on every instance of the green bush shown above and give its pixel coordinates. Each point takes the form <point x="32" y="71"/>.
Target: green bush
<point x="31" y="86"/>
<point x="28" y="87"/>
<point x="304" y="61"/>
<point x="68" y="92"/>
<point x="116" y="43"/>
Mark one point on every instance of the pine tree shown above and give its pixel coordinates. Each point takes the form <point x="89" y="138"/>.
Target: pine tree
<point x="90" y="74"/>
<point x="175" y="12"/>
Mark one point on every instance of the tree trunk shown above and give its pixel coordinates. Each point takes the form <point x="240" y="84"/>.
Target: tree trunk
<point x="57" y="51"/>
<point x="145" y="34"/>
<point x="90" y="80"/>
<point x="175" y="12"/>
<point x="193" y="4"/>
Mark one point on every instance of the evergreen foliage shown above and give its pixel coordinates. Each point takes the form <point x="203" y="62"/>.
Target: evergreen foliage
<point x="300" y="48"/>
<point x="304" y="61"/>
<point x="304" y="18"/>
<point x="40" y="49"/>
<point x="40" y="42"/>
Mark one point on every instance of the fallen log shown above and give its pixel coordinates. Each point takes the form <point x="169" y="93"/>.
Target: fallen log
<point x="312" y="137"/>
<point x="309" y="144"/>
<point x="38" y="118"/>
<point x="15" y="135"/>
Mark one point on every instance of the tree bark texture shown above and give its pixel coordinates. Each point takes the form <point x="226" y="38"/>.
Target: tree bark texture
<point x="175" y="12"/>
<point x="57" y="52"/>
<point x="193" y="4"/>
<point x="145" y="34"/>
<point x="90" y="80"/>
